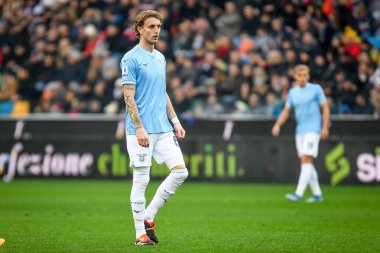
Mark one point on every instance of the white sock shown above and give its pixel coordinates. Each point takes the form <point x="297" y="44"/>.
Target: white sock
<point x="165" y="191"/>
<point x="314" y="184"/>
<point x="304" y="179"/>
<point x="140" y="182"/>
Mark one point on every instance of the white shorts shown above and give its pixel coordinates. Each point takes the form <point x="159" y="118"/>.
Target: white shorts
<point x="163" y="147"/>
<point x="307" y="144"/>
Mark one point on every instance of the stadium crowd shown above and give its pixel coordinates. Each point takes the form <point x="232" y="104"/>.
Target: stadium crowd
<point x="223" y="57"/>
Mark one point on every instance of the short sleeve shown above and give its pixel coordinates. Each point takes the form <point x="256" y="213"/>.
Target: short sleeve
<point x="289" y="102"/>
<point x="321" y="95"/>
<point x="128" y="71"/>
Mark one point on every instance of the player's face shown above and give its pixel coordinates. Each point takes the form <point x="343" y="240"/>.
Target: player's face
<point x="301" y="77"/>
<point x="150" y="31"/>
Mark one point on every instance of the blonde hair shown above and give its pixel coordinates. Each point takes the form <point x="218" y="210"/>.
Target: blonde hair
<point x="301" y="67"/>
<point x="144" y="15"/>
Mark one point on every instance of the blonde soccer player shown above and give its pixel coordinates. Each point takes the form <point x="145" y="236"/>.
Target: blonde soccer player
<point x="148" y="130"/>
<point x="312" y="114"/>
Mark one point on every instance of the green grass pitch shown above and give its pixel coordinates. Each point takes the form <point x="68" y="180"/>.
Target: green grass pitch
<point x="95" y="216"/>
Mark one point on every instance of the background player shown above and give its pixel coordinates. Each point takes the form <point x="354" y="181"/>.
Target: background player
<point x="306" y="99"/>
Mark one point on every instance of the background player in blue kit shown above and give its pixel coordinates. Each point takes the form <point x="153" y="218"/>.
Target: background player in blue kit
<point x="307" y="100"/>
<point x="149" y="132"/>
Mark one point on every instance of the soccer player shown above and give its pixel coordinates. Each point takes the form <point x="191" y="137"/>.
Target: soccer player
<point x="148" y="130"/>
<point x="306" y="100"/>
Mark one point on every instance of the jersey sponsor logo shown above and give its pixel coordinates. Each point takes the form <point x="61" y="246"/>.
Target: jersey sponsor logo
<point x="145" y="64"/>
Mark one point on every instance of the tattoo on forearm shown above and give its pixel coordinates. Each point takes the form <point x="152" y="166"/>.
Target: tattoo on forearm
<point x="132" y="107"/>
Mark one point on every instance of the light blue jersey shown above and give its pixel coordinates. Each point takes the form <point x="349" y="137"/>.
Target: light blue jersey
<point x="147" y="70"/>
<point x="306" y="103"/>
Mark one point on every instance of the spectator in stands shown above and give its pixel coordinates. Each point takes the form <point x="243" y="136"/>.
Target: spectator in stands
<point x="255" y="107"/>
<point x="362" y="106"/>
<point x="250" y="19"/>
<point x="229" y="24"/>
<point x="8" y="92"/>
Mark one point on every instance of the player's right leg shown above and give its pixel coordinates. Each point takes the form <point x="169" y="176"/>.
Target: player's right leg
<point x="138" y="202"/>
<point x="305" y="175"/>
<point x="140" y="162"/>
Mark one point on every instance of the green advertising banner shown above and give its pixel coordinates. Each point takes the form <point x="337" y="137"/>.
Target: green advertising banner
<point x="60" y="149"/>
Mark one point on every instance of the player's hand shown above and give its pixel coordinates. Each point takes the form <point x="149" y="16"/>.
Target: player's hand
<point x="324" y="134"/>
<point x="142" y="137"/>
<point x="276" y="130"/>
<point x="179" y="131"/>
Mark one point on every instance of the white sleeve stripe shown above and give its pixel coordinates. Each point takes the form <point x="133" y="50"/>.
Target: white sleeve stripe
<point x="128" y="83"/>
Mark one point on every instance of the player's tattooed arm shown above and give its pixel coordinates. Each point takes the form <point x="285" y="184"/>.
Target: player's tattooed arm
<point x="129" y="98"/>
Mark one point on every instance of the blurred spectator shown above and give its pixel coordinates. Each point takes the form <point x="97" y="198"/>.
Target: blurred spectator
<point x="250" y="19"/>
<point x="255" y="107"/>
<point x="180" y="102"/>
<point x="228" y="24"/>
<point x="8" y="88"/>
<point x="190" y="9"/>
<point x="212" y="107"/>
<point x="348" y="91"/>
<point x="362" y="106"/>
<point x="73" y="69"/>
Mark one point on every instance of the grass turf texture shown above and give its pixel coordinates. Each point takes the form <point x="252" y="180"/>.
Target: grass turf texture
<point x="95" y="216"/>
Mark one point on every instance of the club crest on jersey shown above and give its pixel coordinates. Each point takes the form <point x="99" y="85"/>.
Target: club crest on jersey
<point x="141" y="157"/>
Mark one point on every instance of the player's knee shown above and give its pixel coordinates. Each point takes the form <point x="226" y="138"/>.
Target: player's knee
<point x="141" y="183"/>
<point x="180" y="174"/>
<point x="141" y="177"/>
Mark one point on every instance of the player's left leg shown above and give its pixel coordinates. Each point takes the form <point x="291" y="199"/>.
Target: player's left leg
<point x="304" y="178"/>
<point x="167" y="188"/>
<point x="315" y="188"/>
<point x="314" y="139"/>
<point x="167" y="150"/>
